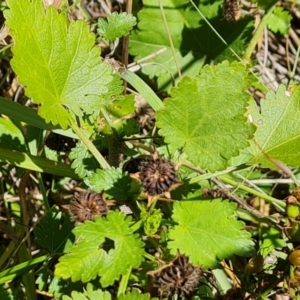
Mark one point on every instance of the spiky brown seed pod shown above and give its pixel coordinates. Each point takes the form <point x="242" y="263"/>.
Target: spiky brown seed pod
<point x="231" y="10"/>
<point x="86" y="205"/>
<point x="179" y="277"/>
<point x="157" y="176"/>
<point x="59" y="143"/>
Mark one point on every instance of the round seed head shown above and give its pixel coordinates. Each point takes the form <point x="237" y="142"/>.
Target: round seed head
<point x="87" y="205"/>
<point x="157" y="176"/>
<point x="179" y="277"/>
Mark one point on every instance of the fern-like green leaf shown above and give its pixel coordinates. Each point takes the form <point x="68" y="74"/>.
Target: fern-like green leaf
<point x="194" y="41"/>
<point x="115" y="26"/>
<point x="53" y="232"/>
<point x="277" y="134"/>
<point x="57" y="62"/>
<point x="206" y="116"/>
<point x="208" y="231"/>
<point x="86" y="259"/>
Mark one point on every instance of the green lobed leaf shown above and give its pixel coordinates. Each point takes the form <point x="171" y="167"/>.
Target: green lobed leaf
<point x="57" y="62"/>
<point x="277" y="134"/>
<point x="195" y="43"/>
<point x="135" y="295"/>
<point x="208" y="231"/>
<point x="206" y="116"/>
<point x="115" y="26"/>
<point x="83" y="161"/>
<point x="115" y="184"/>
<point x="280" y="21"/>
<point x="53" y="232"/>
<point x="86" y="259"/>
<point x="90" y="294"/>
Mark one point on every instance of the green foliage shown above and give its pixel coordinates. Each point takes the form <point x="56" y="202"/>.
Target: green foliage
<point x="206" y="239"/>
<point x="194" y="41"/>
<point x="53" y="232"/>
<point x="115" y="184"/>
<point x="5" y="295"/>
<point x="62" y="68"/>
<point x="89" y="295"/>
<point x="280" y="21"/>
<point x="208" y="124"/>
<point x="83" y="161"/>
<point x="205" y="116"/>
<point x="12" y="137"/>
<point x="151" y="220"/>
<point x="115" y="26"/>
<point x="135" y="295"/>
<point x="277" y="134"/>
<point x="86" y="259"/>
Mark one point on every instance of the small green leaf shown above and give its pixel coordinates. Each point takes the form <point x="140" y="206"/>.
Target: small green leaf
<point x="83" y="161"/>
<point x="115" y="184"/>
<point x="206" y="116"/>
<point x="135" y="295"/>
<point x="208" y="231"/>
<point x="280" y="21"/>
<point x="271" y="239"/>
<point x="115" y="26"/>
<point x="86" y="259"/>
<point x="277" y="134"/>
<point x="53" y="232"/>
<point x="57" y="62"/>
<point x="90" y="294"/>
<point x="11" y="136"/>
<point x="151" y="220"/>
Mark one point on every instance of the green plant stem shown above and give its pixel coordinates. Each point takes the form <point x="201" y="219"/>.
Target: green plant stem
<point x="239" y="185"/>
<point x="259" y="31"/>
<point x="170" y="38"/>
<point x="296" y="62"/>
<point x="222" y="280"/>
<point x="124" y="282"/>
<point x="103" y="163"/>
<point x="43" y="191"/>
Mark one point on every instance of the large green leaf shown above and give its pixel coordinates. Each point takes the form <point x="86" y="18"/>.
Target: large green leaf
<point x="278" y="128"/>
<point x="86" y="259"/>
<point x="206" y="116"/>
<point x="194" y="41"/>
<point x="57" y="62"/>
<point x="208" y="231"/>
<point x="53" y="232"/>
